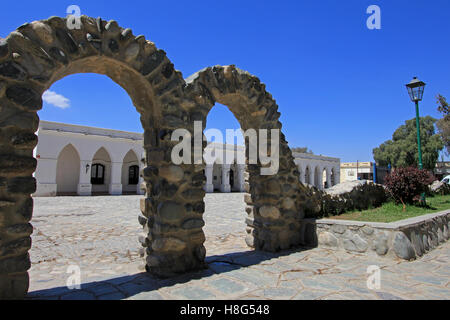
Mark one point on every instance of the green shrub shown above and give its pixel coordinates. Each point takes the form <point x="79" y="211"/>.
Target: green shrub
<point x="406" y="184"/>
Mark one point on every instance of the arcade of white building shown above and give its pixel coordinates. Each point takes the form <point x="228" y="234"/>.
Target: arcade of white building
<point x="82" y="160"/>
<point x="319" y="171"/>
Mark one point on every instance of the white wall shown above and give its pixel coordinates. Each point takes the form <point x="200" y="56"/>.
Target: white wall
<point x="129" y="160"/>
<point x="217" y="176"/>
<point x="118" y="150"/>
<point x="317" y="165"/>
<point x="68" y="171"/>
<point x="53" y="137"/>
<point x="102" y="157"/>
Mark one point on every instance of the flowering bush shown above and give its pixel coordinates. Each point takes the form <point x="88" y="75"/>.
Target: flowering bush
<point x="406" y="184"/>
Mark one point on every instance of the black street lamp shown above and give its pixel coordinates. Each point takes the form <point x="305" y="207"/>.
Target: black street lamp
<point x="415" y="91"/>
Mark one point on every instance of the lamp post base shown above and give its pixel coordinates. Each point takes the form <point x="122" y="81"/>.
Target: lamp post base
<point x="423" y="201"/>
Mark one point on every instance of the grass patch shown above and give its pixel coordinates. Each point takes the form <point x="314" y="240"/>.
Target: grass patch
<point x="390" y="212"/>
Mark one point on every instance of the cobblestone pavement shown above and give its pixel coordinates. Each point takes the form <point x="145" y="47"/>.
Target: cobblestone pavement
<point x="99" y="235"/>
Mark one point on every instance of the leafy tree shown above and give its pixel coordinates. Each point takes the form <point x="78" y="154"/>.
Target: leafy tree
<point x="302" y="150"/>
<point x="402" y="150"/>
<point x="406" y="184"/>
<point x="443" y="124"/>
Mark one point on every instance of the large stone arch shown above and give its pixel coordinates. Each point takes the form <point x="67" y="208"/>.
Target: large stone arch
<point x="32" y="58"/>
<point x="274" y="202"/>
<point x="40" y="53"/>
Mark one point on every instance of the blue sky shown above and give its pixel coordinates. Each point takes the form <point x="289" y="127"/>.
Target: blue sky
<point x="339" y="86"/>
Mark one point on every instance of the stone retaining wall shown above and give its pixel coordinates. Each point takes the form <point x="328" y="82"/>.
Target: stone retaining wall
<point x="406" y="239"/>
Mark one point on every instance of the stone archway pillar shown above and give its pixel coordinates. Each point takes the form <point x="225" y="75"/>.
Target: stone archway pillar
<point x="115" y="186"/>
<point x="209" y="186"/>
<point x="225" y="186"/>
<point x="84" y="185"/>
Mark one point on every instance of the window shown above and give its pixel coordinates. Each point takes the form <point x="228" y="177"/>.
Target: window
<point x="133" y="175"/>
<point x="98" y="174"/>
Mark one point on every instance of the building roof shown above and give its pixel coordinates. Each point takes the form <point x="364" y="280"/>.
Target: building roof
<point x="310" y="156"/>
<point x="73" y="128"/>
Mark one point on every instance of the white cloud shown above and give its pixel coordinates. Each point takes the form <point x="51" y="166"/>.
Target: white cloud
<point x="55" y="99"/>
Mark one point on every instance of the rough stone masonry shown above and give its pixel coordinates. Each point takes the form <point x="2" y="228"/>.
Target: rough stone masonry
<point x="40" y="53"/>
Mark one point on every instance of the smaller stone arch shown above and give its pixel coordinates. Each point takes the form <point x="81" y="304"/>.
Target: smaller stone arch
<point x="273" y="201"/>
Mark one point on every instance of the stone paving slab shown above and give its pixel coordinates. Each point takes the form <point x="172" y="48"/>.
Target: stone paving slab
<point x="251" y="282"/>
<point x="233" y="271"/>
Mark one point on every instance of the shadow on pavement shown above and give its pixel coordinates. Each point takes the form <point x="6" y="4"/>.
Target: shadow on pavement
<point x="131" y="285"/>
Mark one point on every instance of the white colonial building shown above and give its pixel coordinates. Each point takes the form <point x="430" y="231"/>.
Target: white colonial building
<point x="319" y="171"/>
<point x="225" y="177"/>
<point x="81" y="160"/>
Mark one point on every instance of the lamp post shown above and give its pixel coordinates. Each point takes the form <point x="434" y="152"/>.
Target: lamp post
<point x="415" y="91"/>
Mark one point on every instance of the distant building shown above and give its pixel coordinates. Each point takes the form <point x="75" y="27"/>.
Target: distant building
<point x="442" y="169"/>
<point x="351" y="171"/>
<point x="80" y="160"/>
<point x="319" y="171"/>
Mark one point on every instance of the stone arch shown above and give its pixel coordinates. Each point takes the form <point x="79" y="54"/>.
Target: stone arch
<point x="35" y="56"/>
<point x="67" y="170"/>
<point x="273" y="202"/>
